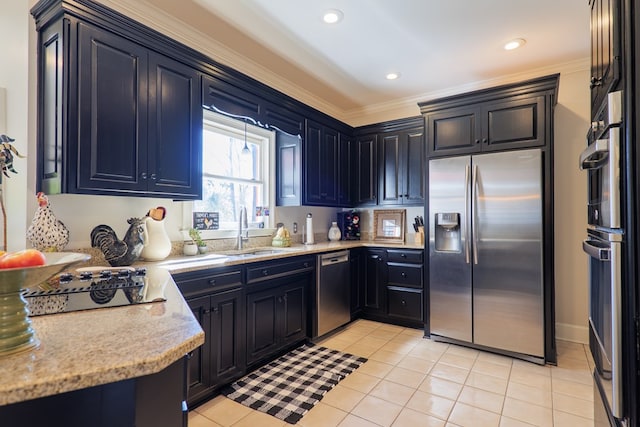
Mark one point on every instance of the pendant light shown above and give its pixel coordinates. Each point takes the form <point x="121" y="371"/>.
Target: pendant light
<point x="245" y="149"/>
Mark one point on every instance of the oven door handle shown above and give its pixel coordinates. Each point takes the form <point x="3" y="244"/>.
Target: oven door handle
<point x="595" y="251"/>
<point x="595" y="155"/>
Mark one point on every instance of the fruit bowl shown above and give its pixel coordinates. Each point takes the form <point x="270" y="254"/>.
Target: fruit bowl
<point x="16" y="333"/>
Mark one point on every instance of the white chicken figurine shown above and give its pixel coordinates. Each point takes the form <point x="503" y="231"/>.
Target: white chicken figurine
<point x="46" y="233"/>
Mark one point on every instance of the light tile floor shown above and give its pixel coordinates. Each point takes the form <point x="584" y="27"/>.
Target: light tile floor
<point x="411" y="381"/>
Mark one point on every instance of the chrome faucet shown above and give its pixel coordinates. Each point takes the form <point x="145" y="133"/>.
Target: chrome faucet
<point x="242" y="222"/>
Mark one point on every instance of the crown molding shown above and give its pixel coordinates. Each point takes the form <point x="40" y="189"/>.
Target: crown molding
<point x="406" y="107"/>
<point x="147" y="14"/>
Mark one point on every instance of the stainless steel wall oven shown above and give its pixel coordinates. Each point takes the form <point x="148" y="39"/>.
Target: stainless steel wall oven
<point x="605" y="320"/>
<point x="605" y="245"/>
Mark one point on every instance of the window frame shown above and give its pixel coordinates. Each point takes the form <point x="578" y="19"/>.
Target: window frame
<point x="266" y="138"/>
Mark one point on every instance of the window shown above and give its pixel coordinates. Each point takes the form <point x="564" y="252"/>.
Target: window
<point x="236" y="171"/>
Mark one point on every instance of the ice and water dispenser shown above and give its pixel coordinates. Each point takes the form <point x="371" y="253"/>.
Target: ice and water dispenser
<point x="447" y="232"/>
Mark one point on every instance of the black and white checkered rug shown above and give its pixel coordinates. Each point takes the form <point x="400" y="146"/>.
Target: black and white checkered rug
<point x="291" y="385"/>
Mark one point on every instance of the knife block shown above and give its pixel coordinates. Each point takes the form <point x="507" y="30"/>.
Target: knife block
<point x="419" y="236"/>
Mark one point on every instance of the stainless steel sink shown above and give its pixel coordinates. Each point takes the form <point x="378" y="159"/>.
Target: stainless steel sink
<point x="198" y="259"/>
<point x="259" y="252"/>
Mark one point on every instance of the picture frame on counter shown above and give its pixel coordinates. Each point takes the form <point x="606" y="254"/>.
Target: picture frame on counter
<point x="389" y="225"/>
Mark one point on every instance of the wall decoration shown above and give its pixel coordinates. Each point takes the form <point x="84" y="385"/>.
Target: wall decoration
<point x="388" y="225"/>
<point x="206" y="220"/>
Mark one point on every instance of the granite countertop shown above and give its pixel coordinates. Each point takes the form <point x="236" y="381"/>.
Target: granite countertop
<point x="87" y="348"/>
<point x="181" y="264"/>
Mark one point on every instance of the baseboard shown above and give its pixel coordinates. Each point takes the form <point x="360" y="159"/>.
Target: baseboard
<point x="573" y="333"/>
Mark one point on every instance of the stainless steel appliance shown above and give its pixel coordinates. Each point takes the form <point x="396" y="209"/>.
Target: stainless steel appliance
<point x="486" y="251"/>
<point x="601" y="160"/>
<point x="605" y="245"/>
<point x="333" y="304"/>
<point x="94" y="289"/>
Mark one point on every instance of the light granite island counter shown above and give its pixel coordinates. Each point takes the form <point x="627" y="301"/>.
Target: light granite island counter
<point x="123" y="366"/>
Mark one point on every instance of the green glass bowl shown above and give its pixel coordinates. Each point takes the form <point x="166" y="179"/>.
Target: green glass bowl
<point x="16" y="333"/>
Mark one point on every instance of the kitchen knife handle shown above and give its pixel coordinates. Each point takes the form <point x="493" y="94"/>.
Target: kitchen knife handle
<point x="474" y="226"/>
<point x="466" y="213"/>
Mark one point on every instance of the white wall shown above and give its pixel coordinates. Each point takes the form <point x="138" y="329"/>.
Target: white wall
<point x="571" y="264"/>
<point x="14" y="51"/>
<point x="81" y="213"/>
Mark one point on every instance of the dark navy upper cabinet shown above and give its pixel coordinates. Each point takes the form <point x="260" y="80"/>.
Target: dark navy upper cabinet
<point x="282" y="120"/>
<point x="507" y="117"/>
<point x="231" y="100"/>
<point x="321" y="165"/>
<point x="288" y="169"/>
<point x="345" y="160"/>
<point x="605" y="49"/>
<point x="401" y="168"/>
<point x="111" y="114"/>
<point x="129" y="122"/>
<point x="364" y="170"/>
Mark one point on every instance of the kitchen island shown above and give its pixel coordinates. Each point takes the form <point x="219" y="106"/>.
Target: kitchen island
<point x="97" y="362"/>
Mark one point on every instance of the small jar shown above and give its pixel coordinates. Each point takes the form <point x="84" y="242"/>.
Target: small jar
<point x="334" y="232"/>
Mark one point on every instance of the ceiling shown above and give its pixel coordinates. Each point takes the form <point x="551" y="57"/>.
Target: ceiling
<point x="439" y="47"/>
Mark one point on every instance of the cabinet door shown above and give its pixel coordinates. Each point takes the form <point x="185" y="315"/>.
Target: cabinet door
<point x="605" y="49"/>
<point x="365" y="170"/>
<point x="227" y="331"/>
<point x="413" y="173"/>
<point x="288" y="169"/>
<point x="390" y="190"/>
<point x="375" y="281"/>
<point x="112" y="114"/>
<point x="356" y="261"/>
<point x="283" y="119"/>
<point x="293" y="309"/>
<point x="320" y="165"/>
<point x="344" y="171"/>
<point x="175" y="129"/>
<point x="53" y="76"/>
<point x="514" y="123"/>
<point x="199" y="379"/>
<point x="453" y="131"/>
<point x="402" y="168"/>
<point x="262" y="327"/>
<point x="229" y="99"/>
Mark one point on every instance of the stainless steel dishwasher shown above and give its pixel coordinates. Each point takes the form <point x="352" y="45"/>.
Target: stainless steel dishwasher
<point x="333" y="305"/>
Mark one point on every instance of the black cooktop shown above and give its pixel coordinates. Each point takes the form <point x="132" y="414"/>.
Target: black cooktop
<point x="88" y="290"/>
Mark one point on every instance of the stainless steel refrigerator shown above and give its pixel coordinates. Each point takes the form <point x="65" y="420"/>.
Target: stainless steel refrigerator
<point x="486" y="251"/>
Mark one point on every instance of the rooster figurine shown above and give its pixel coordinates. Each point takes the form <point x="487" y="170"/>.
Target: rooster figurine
<point x="46" y="232"/>
<point x="119" y="253"/>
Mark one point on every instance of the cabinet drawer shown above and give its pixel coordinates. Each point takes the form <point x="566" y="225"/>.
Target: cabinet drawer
<point x="405" y="275"/>
<point x="405" y="303"/>
<point x="404" y="255"/>
<point x="271" y="270"/>
<point x="192" y="284"/>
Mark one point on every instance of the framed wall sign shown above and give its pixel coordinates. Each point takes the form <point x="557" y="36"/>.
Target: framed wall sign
<point x="388" y="225"/>
<point x="206" y="220"/>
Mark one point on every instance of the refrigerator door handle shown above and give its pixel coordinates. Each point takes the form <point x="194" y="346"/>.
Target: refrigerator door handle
<point x="467" y="212"/>
<point x="474" y="227"/>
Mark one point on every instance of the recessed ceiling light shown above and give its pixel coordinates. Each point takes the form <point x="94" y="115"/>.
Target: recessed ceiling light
<point x="392" y="76"/>
<point x="514" y="44"/>
<point x="332" y="16"/>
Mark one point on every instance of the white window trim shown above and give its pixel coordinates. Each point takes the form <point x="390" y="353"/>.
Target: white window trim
<point x="236" y="127"/>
